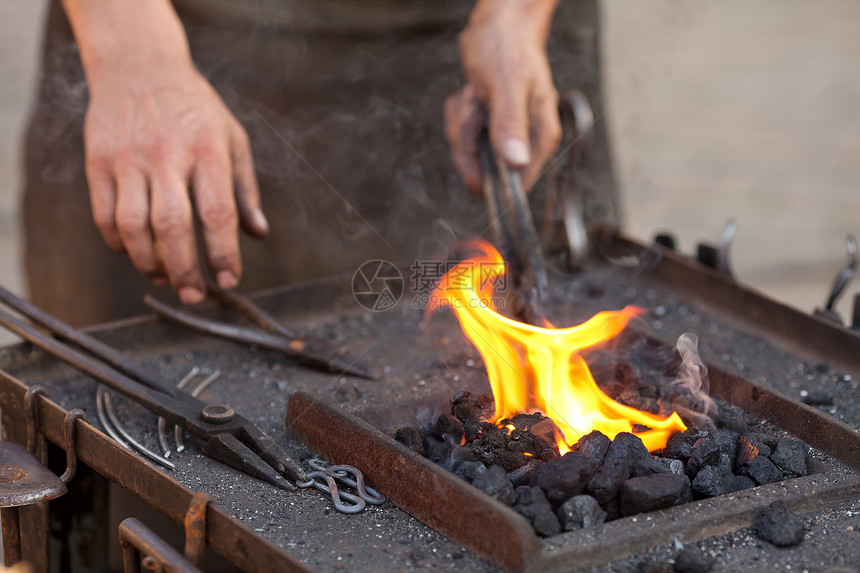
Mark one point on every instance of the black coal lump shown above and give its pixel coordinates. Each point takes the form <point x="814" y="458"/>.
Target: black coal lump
<point x="790" y="457"/>
<point x="780" y="526"/>
<point x="706" y="452"/>
<point x="691" y="560"/>
<point x="533" y="505"/>
<point x="727" y="442"/>
<point x="470" y="470"/>
<point x="680" y="445"/>
<point x="440" y="454"/>
<point x="580" y="512"/>
<point x="594" y="445"/>
<point x="761" y="470"/>
<point x="496" y="484"/>
<point x="411" y="438"/>
<point x="642" y="494"/>
<point x="564" y="477"/>
<point x="712" y="481"/>
<point x="461" y="455"/>
<point x="671" y="465"/>
<point x="627" y="446"/>
<point x="447" y="426"/>
<point x="524" y="474"/>
<point x="606" y="483"/>
<point x="470" y="407"/>
<point x="768" y="439"/>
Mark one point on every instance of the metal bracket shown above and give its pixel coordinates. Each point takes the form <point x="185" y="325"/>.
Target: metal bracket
<point x="195" y="527"/>
<point x="68" y="430"/>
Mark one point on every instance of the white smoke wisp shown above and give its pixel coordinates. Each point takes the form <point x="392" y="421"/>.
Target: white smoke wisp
<point x="690" y="389"/>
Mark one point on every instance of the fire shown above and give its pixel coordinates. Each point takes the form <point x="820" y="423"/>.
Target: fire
<point x="535" y="368"/>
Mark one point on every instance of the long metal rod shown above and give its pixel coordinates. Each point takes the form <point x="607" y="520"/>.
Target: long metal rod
<point x="97" y="348"/>
<point x="151" y="398"/>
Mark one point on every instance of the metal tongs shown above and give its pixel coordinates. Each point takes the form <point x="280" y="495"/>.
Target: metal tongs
<point x="514" y="234"/>
<point x="219" y="432"/>
<point x="309" y="350"/>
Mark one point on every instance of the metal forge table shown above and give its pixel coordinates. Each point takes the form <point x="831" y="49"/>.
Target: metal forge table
<point x="758" y="352"/>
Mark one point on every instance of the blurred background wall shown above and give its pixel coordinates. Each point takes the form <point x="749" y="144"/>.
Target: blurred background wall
<point x="717" y="109"/>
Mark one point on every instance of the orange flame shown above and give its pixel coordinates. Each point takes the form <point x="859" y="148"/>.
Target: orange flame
<point x="539" y="368"/>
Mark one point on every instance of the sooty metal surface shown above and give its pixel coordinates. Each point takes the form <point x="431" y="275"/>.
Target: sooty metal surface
<point x="421" y="365"/>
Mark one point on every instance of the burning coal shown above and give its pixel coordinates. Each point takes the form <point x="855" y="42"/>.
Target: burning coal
<point x="541" y="369"/>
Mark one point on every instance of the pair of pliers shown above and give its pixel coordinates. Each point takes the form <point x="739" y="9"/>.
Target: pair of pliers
<point x="309" y="350"/>
<point x="219" y="432"/>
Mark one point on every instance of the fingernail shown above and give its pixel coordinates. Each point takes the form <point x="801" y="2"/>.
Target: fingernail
<point x="260" y="221"/>
<point x="190" y="295"/>
<point x="227" y="280"/>
<point x="516" y="152"/>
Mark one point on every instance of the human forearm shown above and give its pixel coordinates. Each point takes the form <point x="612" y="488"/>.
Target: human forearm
<point x="121" y="36"/>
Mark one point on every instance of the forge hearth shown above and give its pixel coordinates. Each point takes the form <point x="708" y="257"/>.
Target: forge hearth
<point x="756" y="350"/>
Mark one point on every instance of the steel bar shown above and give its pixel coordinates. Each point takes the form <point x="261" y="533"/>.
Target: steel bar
<point x="103" y="351"/>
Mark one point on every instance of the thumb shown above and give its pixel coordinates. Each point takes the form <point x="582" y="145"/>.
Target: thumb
<point x="509" y="125"/>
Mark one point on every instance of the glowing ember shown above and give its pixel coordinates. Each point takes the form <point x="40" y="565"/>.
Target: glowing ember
<point x="539" y="368"/>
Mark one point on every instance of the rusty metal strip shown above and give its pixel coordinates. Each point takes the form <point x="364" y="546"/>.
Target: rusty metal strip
<point x="137" y="539"/>
<point x="230" y="538"/>
<point x="426" y="492"/>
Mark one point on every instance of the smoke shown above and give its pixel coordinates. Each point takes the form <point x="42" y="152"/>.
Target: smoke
<point x="688" y="393"/>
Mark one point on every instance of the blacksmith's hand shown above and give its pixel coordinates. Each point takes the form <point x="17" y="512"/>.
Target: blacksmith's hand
<point x="503" y="51"/>
<point x="156" y="135"/>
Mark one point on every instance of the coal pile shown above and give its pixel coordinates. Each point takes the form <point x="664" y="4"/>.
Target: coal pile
<point x="518" y="463"/>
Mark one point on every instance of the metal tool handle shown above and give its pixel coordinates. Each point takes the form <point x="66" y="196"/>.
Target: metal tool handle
<point x="511" y="217"/>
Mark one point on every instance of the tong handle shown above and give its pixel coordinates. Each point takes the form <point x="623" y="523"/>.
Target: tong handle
<point x="511" y="217"/>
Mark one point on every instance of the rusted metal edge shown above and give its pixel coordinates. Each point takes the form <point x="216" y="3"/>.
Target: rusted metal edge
<point x="414" y="484"/>
<point x="803" y="333"/>
<point x="225" y="535"/>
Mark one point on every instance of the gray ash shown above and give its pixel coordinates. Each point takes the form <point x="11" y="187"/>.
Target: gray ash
<point x="518" y="462"/>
